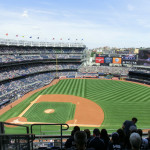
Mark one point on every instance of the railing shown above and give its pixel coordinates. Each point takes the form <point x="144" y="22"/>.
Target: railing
<point x="15" y="141"/>
<point x="19" y="141"/>
<point x="61" y="129"/>
<point x="2" y="130"/>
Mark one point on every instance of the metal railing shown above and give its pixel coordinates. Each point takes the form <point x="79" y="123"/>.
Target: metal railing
<point x="15" y="141"/>
<point x="61" y="128"/>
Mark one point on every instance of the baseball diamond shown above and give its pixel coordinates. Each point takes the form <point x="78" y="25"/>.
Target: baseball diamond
<point x="84" y="102"/>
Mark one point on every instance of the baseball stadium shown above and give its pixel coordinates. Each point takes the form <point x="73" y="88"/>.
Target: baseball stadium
<point x="45" y="86"/>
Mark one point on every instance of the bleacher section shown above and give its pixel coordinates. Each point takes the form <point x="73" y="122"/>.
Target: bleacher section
<point x="106" y="69"/>
<point x="139" y="76"/>
<point x="26" y="66"/>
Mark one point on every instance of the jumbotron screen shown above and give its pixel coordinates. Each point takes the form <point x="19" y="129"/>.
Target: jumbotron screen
<point x="108" y="60"/>
<point x="144" y="57"/>
<point x="99" y="60"/>
<point x="129" y="57"/>
<point x="117" y="60"/>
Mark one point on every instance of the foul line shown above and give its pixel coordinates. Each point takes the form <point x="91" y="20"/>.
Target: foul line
<point x="29" y="106"/>
<point x="84" y="125"/>
<point x="71" y="125"/>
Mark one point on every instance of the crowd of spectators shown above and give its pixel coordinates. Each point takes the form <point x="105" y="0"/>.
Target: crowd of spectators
<point x="126" y="138"/>
<point x="38" y="50"/>
<point x="105" y="69"/>
<point x="145" y="70"/>
<point x="17" y="71"/>
<point x="67" y="74"/>
<point x="20" y="58"/>
<point x="82" y="74"/>
<point x="16" y="89"/>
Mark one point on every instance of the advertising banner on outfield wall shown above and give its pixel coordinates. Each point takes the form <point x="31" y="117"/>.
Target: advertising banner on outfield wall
<point x="99" y="60"/>
<point x="116" y="60"/>
<point x="108" y="60"/>
<point x="129" y="57"/>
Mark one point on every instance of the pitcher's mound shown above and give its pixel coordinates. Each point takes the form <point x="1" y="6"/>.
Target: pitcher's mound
<point x="48" y="111"/>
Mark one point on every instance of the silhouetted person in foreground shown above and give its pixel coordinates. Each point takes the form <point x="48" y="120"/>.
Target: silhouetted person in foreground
<point x="80" y="140"/>
<point x="128" y="128"/>
<point x="88" y="133"/>
<point x="105" y="137"/>
<point x="96" y="142"/>
<point x="121" y="137"/>
<point x="148" y="138"/>
<point x="114" y="142"/>
<point x="135" y="141"/>
<point x="144" y="142"/>
<point x="70" y="142"/>
<point x="128" y="124"/>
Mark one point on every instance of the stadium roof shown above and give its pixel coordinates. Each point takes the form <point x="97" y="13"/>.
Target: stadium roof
<point x="9" y="42"/>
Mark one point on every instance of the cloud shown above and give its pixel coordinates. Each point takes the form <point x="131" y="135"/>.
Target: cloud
<point x="25" y="14"/>
<point x="42" y="12"/>
<point x="97" y="28"/>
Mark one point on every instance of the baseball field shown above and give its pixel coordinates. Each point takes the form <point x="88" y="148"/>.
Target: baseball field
<point x="88" y="103"/>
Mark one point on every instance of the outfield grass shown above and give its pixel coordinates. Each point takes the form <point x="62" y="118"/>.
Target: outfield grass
<point x="119" y="100"/>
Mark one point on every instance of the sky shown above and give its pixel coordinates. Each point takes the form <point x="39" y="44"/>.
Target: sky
<point x="96" y="23"/>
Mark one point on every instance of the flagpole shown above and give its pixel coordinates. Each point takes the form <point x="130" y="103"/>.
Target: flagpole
<point x="6" y="38"/>
<point x="17" y="40"/>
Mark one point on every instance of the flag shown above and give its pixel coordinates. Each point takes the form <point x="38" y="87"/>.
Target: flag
<point x="30" y="37"/>
<point x="76" y="39"/>
<point x="82" y="39"/>
<point x="37" y="37"/>
<point x="53" y="38"/>
<point x="6" y="34"/>
<point x="23" y="36"/>
<point x="16" y="35"/>
<point x="60" y="38"/>
<point x="68" y="38"/>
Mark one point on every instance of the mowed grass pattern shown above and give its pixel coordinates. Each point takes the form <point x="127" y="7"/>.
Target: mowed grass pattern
<point x="119" y="100"/>
<point x="63" y="112"/>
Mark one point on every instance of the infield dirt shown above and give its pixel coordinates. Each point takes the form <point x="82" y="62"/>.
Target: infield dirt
<point x="84" y="115"/>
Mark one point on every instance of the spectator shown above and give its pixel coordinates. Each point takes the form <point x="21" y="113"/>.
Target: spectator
<point x="144" y="142"/>
<point x="89" y="137"/>
<point x="121" y="137"/>
<point x="105" y="137"/>
<point x="132" y="129"/>
<point x="96" y="142"/>
<point x="80" y="139"/>
<point x="129" y="124"/>
<point x="114" y="142"/>
<point x="135" y="141"/>
<point x="70" y="142"/>
<point x="148" y="138"/>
